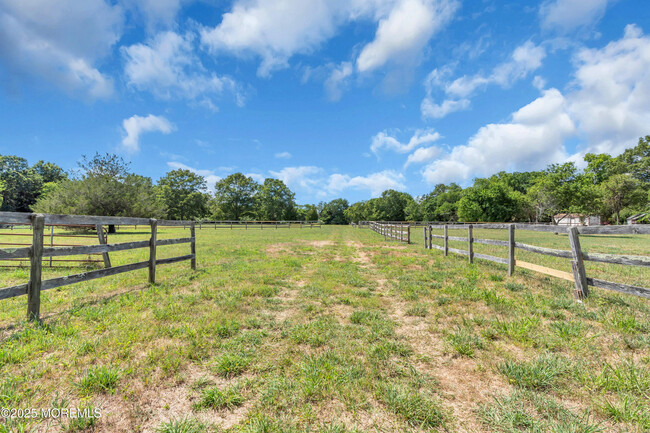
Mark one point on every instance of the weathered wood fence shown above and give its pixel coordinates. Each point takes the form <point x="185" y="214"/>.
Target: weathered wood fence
<point x="577" y="256"/>
<point x="399" y="232"/>
<point x="36" y="252"/>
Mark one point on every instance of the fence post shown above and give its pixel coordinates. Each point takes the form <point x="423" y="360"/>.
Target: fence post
<point x="470" y="242"/>
<point x="36" y="265"/>
<point x="51" y="241"/>
<point x="193" y="245"/>
<point x="446" y="240"/>
<point x="511" y="249"/>
<point x="152" y="250"/>
<point x="578" y="265"/>
<point x="426" y="247"/>
<point x="102" y="240"/>
<point x="408" y="234"/>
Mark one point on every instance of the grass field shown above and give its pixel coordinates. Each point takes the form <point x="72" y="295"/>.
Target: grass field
<point x="332" y="330"/>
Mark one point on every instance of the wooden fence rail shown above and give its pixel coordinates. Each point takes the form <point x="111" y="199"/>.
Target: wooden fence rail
<point x="576" y="255"/>
<point x="399" y="232"/>
<point x="257" y="224"/>
<point x="37" y="251"/>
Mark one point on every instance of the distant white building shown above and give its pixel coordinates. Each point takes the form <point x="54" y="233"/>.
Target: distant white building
<point x="576" y="219"/>
<point x="635" y="219"/>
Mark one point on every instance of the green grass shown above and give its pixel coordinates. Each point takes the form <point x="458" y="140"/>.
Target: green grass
<point x="333" y="330"/>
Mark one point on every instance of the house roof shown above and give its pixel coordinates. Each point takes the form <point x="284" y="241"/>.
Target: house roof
<point x="637" y="216"/>
<point x="572" y="215"/>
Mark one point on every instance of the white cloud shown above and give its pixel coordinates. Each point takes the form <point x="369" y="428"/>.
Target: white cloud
<point x="135" y="126"/>
<point x="534" y="138"/>
<point x="156" y="13"/>
<point x="421" y="155"/>
<point x="421" y="136"/>
<point x="610" y="103"/>
<point x="376" y="183"/>
<point x="210" y="178"/>
<point x="525" y="59"/>
<point x="337" y="80"/>
<point x="437" y="111"/>
<point x="405" y="31"/>
<point x="275" y="30"/>
<point x="167" y="67"/>
<point x="259" y="178"/>
<point x="60" y="44"/>
<point x="283" y="155"/>
<point x="567" y="15"/>
<point x="298" y="177"/>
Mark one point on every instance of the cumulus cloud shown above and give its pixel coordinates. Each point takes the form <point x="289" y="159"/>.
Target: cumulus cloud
<point x="525" y="59"/>
<point x="610" y="103"/>
<point x="299" y="177"/>
<point x="376" y="183"/>
<point x="534" y="138"/>
<point x="167" y="67"/>
<point x="567" y="15"/>
<point x="61" y="44"/>
<point x="384" y="141"/>
<point x="277" y="30"/>
<point x="422" y="155"/>
<point x="405" y="31"/>
<point x="136" y="125"/>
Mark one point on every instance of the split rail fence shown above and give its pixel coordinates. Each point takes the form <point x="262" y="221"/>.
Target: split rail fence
<point x="399" y="232"/>
<point x="577" y="256"/>
<point x="37" y="251"/>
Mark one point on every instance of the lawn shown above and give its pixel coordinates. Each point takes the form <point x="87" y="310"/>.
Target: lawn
<point x="331" y="330"/>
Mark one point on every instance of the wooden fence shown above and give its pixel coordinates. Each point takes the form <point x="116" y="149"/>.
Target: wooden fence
<point x="399" y="232"/>
<point x="37" y="251"/>
<point x="577" y="256"/>
<point x="257" y="224"/>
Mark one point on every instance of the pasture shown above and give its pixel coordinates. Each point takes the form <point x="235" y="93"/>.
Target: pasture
<point x="333" y="330"/>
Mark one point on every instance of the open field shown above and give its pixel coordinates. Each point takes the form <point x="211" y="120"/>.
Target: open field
<point x="333" y="330"/>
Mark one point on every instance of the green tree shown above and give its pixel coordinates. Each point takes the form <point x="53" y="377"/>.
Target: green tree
<point x="50" y="172"/>
<point x="441" y="204"/>
<point x="622" y="190"/>
<point x="105" y="187"/>
<point x="334" y="211"/>
<point x="391" y="205"/>
<point x="357" y="212"/>
<point x="235" y="196"/>
<point x="491" y="201"/>
<point x="637" y="160"/>
<point x="22" y="184"/>
<point x="275" y="201"/>
<point x="307" y="212"/>
<point x="184" y="194"/>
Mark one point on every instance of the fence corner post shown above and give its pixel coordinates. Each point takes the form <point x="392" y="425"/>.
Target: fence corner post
<point x="578" y="265"/>
<point x="152" y="250"/>
<point x="470" y="243"/>
<point x="511" y="249"/>
<point x="446" y="246"/>
<point x="36" y="266"/>
<point x="193" y="244"/>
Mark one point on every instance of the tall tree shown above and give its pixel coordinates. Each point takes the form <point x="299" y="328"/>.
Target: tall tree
<point x="184" y="194"/>
<point x="441" y="204"/>
<point x="490" y="200"/>
<point x="22" y="183"/>
<point x="334" y="211"/>
<point x="235" y="196"/>
<point x="50" y="172"/>
<point x="275" y="201"/>
<point x="637" y="160"/>
<point x="391" y="205"/>
<point x="622" y="190"/>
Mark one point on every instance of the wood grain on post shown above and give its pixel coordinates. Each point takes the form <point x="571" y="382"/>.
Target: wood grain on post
<point x="511" y="249"/>
<point x="102" y="241"/>
<point x="446" y="246"/>
<point x="578" y="265"/>
<point x="152" y="251"/>
<point x="470" y="243"/>
<point x="36" y="265"/>
<point x="193" y="246"/>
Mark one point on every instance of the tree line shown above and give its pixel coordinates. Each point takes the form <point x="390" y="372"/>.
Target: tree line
<point x="610" y="187"/>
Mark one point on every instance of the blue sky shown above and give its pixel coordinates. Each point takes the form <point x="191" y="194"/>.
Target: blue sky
<point x="338" y="98"/>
